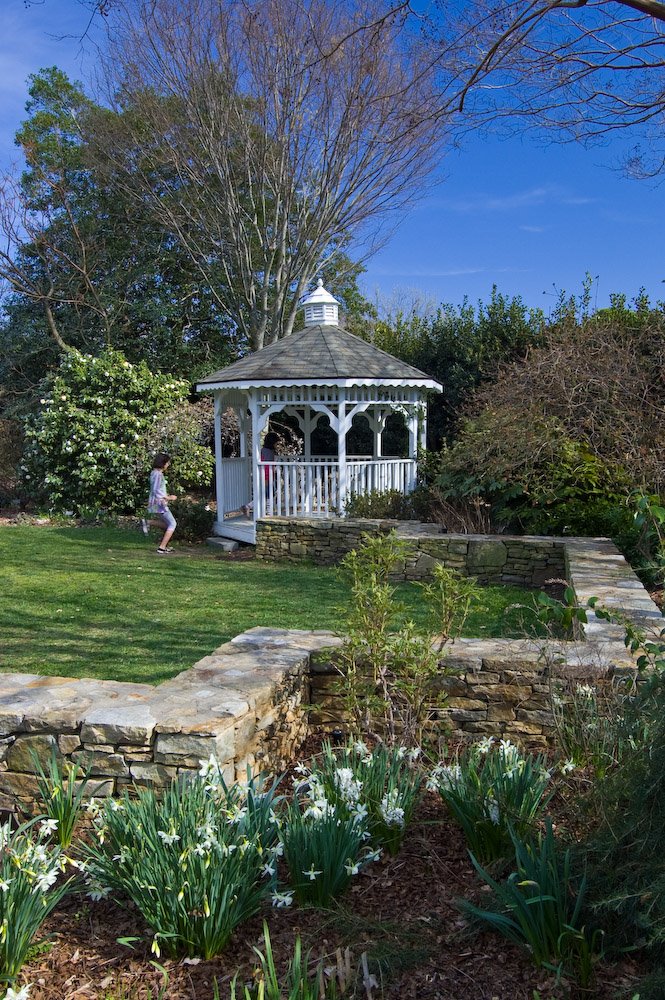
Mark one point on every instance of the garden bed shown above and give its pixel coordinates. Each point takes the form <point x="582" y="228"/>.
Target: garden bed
<point x="400" y="914"/>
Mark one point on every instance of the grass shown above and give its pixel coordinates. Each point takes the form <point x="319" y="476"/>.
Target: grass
<point x="99" y="602"/>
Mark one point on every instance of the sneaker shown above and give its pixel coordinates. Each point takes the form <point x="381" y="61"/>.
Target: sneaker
<point x="144" y="526"/>
<point x="163" y="552"/>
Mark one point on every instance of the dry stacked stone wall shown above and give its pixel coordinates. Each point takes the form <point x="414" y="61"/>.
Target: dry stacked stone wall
<point x="246" y="704"/>
<point x="520" y="559"/>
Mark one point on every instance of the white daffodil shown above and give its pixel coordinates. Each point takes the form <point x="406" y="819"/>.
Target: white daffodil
<point x="312" y="874"/>
<point x="281" y="899"/>
<point x="170" y="837"/>
<point x="352" y="868"/>
<point x="23" y="993"/>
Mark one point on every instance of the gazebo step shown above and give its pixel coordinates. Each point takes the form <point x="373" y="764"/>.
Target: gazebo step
<point x="225" y="544"/>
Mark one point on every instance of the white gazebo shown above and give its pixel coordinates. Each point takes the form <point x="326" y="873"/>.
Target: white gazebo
<point x="320" y="371"/>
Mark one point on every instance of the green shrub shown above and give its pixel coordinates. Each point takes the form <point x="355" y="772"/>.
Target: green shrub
<point x="540" y="907"/>
<point x="449" y="597"/>
<point x="195" y="519"/>
<point x="388" y="679"/>
<point x="196" y="861"/>
<point x="392" y="504"/>
<point x="492" y="791"/>
<point x="90" y="444"/>
<point x="29" y="890"/>
<point x="535" y="477"/>
<point x="626" y="872"/>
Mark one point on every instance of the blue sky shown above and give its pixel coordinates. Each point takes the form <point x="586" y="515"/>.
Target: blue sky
<point x="528" y="217"/>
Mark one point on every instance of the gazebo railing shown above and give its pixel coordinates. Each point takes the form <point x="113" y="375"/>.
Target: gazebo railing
<point x="381" y="474"/>
<point x="312" y="489"/>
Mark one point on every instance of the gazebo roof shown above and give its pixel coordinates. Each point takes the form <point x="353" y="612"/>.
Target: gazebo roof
<point x="318" y="355"/>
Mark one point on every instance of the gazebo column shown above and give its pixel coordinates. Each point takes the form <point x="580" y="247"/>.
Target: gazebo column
<point x="219" y="471"/>
<point x="307" y="428"/>
<point x="377" y="421"/>
<point x="343" y="425"/>
<point x="422" y="413"/>
<point x="257" y="492"/>
<point x="412" y="425"/>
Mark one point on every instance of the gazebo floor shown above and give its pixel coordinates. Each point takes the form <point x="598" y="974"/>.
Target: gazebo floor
<point x="238" y="527"/>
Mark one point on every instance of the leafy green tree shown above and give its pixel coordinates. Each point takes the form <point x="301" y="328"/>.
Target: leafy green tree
<point x="88" y="268"/>
<point x="89" y="445"/>
<point x="461" y="347"/>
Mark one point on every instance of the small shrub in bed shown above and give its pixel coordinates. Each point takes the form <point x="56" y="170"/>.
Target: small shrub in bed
<point x="195" y="519"/>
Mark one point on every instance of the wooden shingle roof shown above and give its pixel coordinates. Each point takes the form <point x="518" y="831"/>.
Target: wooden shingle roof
<point x="318" y="354"/>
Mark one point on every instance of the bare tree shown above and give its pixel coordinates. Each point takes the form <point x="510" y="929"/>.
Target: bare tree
<point x="45" y="256"/>
<point x="267" y="134"/>
<point x="582" y="67"/>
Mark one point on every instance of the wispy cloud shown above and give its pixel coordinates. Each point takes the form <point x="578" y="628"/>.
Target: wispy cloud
<point x="484" y="203"/>
<point x="533" y="229"/>
<point x="426" y="272"/>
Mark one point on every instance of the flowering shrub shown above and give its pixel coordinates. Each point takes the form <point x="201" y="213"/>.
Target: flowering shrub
<point x="491" y="790"/>
<point x="90" y="444"/>
<point x="381" y="787"/>
<point x="196" y="861"/>
<point x="29" y="871"/>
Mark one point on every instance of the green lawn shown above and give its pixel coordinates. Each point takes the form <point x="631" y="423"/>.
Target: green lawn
<point x="100" y="602"/>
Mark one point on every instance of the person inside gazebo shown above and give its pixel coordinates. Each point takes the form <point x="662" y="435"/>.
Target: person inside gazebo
<point x="267" y="455"/>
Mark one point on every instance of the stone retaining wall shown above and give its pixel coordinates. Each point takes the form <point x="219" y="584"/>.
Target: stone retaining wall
<point x="526" y="560"/>
<point x="503" y="686"/>
<point x="245" y="704"/>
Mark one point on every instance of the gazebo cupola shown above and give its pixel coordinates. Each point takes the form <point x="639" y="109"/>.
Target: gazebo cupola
<point x="321" y="307"/>
<point x="321" y="371"/>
